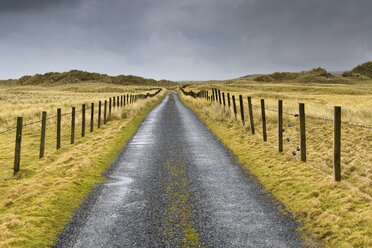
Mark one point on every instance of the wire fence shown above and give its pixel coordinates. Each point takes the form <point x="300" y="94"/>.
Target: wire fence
<point x="318" y="142"/>
<point x="24" y="144"/>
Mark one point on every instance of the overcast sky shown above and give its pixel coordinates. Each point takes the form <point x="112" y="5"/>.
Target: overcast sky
<point x="183" y="39"/>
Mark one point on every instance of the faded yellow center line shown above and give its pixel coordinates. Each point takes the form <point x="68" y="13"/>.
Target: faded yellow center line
<point x="178" y="223"/>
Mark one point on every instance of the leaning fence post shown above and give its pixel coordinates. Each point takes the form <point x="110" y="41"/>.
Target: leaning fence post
<point x="219" y="96"/>
<point x="83" y="121"/>
<point x="223" y="98"/>
<point x="251" y="114"/>
<point x="264" y="134"/>
<point x="234" y="105"/>
<point x="58" y="128"/>
<point x="42" y="135"/>
<point x="91" y="116"/>
<point x="302" y="132"/>
<point x="241" y="109"/>
<point x="280" y="125"/>
<point x="337" y="143"/>
<point x="17" y="154"/>
<point x="228" y="100"/>
<point x="73" y="125"/>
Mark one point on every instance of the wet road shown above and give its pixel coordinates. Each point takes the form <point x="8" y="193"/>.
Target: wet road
<point x="176" y="185"/>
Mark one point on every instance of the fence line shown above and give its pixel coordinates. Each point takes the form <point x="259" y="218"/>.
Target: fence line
<point x="302" y="128"/>
<point x="59" y="133"/>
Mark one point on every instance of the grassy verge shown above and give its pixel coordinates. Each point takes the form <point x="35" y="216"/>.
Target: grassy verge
<point x="35" y="208"/>
<point x="332" y="214"/>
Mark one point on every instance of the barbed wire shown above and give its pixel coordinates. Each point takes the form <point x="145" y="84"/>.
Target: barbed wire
<point x="316" y="118"/>
<point x="8" y="130"/>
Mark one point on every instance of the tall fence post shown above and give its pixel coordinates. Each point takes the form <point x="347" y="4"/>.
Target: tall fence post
<point x="99" y="114"/>
<point x="59" y="128"/>
<point x="234" y="105"/>
<point x="105" y="112"/>
<point x="280" y="125"/>
<point x="127" y="99"/>
<point x="219" y="96"/>
<point x="124" y="101"/>
<point x="83" y="121"/>
<point x="228" y="100"/>
<point x="337" y="143"/>
<point x="91" y="117"/>
<point x="113" y="102"/>
<point x="264" y="134"/>
<point x="42" y="135"/>
<point x="18" y="141"/>
<point x="121" y="101"/>
<point x="117" y="101"/>
<point x="302" y="132"/>
<point x="73" y="125"/>
<point x="223" y="98"/>
<point x="250" y="110"/>
<point x="241" y="109"/>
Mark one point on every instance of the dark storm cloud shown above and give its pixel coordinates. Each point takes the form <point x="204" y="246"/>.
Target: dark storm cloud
<point x="25" y="5"/>
<point x="194" y="39"/>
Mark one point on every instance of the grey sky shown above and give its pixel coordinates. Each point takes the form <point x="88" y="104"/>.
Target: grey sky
<point x="183" y="40"/>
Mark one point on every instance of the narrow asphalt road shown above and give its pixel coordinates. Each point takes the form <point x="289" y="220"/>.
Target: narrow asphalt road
<point x="176" y="185"/>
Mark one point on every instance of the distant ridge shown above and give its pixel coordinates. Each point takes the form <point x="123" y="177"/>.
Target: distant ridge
<point x="76" y="76"/>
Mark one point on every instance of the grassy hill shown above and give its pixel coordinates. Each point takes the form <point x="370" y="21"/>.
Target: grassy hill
<point x="76" y="76"/>
<point x="318" y="75"/>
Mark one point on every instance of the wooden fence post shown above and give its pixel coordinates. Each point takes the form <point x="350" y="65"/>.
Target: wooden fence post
<point x="121" y="101"/>
<point x="83" y="121"/>
<point x="127" y="99"/>
<point x="99" y="114"/>
<point x="113" y="102"/>
<point x="219" y="96"/>
<point x="241" y="109"/>
<point x="124" y="101"/>
<point x="337" y="144"/>
<point x="223" y="98"/>
<point x="18" y="141"/>
<point x="234" y="105"/>
<point x="228" y="100"/>
<point x="59" y="128"/>
<point x="73" y="125"/>
<point x="251" y="114"/>
<point x="264" y="134"/>
<point x="42" y="135"/>
<point x="117" y="101"/>
<point x="280" y="125"/>
<point x="104" y="112"/>
<point x="302" y="132"/>
<point x="91" y="117"/>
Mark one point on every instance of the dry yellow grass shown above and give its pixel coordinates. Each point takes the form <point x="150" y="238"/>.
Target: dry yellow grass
<point x="29" y="101"/>
<point x="337" y="214"/>
<point x="37" y="203"/>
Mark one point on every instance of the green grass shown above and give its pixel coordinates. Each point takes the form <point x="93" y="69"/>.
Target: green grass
<point x="35" y="208"/>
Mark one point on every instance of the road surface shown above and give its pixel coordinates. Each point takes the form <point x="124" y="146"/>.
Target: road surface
<point x="176" y="185"/>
